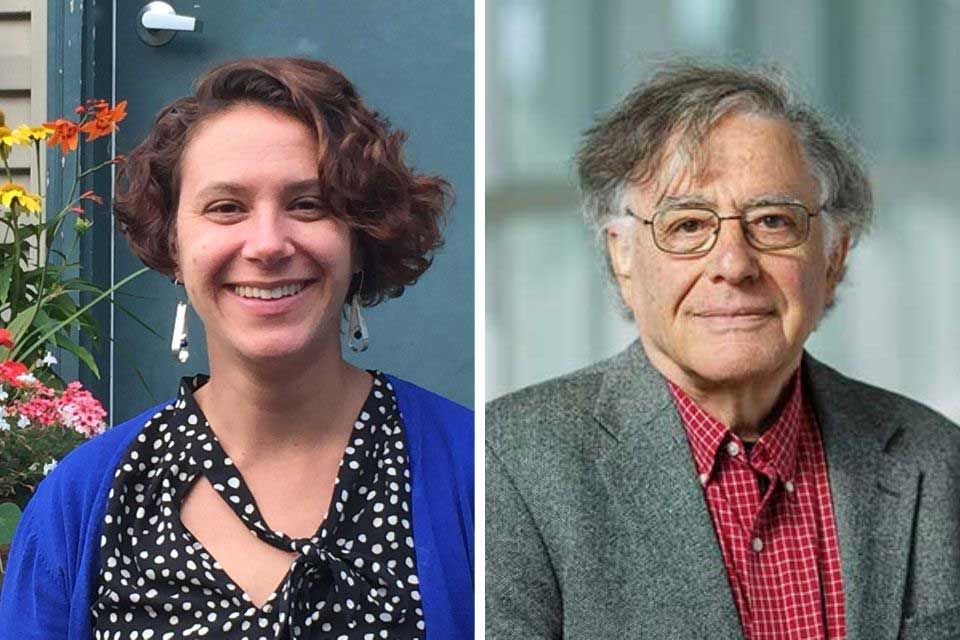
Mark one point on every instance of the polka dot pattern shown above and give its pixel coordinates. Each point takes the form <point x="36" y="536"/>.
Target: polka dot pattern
<point x="355" y="579"/>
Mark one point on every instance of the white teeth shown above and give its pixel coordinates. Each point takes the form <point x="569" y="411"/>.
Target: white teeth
<point x="270" y="294"/>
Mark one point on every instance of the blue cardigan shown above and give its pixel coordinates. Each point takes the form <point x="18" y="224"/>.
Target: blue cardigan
<point x="55" y="556"/>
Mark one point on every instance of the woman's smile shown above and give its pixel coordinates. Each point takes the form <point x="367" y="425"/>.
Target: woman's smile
<point x="271" y="299"/>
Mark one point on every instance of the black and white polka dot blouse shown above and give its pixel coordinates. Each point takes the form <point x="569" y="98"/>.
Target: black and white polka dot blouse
<point x="356" y="578"/>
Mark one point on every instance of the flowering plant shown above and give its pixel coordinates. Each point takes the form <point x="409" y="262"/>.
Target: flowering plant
<point x="41" y="418"/>
<point x="38" y="290"/>
<point x="39" y="425"/>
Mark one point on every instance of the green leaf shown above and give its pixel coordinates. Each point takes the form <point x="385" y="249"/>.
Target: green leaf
<point x="5" y="277"/>
<point x="9" y="517"/>
<point x="138" y="320"/>
<point x="62" y="304"/>
<point x="81" y="353"/>
<point x="40" y="323"/>
<point x="21" y="324"/>
<point x="134" y="296"/>
<point x="76" y="284"/>
<point x="46" y="336"/>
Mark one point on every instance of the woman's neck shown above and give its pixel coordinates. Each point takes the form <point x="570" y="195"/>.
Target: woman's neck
<point x="276" y="408"/>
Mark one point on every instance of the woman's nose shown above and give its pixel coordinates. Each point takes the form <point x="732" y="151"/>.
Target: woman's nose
<point x="269" y="238"/>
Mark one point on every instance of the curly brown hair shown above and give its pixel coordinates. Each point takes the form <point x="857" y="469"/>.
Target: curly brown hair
<point x="396" y="214"/>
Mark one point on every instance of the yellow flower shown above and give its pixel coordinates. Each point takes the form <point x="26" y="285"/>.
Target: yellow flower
<point x="11" y="137"/>
<point x="24" y="134"/>
<point x="11" y="192"/>
<point x="28" y="133"/>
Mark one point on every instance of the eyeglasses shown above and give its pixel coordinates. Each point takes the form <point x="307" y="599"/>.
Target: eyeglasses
<point x="693" y="230"/>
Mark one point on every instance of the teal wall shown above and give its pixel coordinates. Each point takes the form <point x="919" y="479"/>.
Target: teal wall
<point x="412" y="61"/>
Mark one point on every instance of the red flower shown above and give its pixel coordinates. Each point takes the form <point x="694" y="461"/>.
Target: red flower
<point x="105" y="120"/>
<point x="6" y="338"/>
<point x="10" y="369"/>
<point x="65" y="133"/>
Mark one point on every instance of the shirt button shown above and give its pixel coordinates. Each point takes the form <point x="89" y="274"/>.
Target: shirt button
<point x="757" y="545"/>
<point x="733" y="449"/>
<point x="789" y="486"/>
<point x="703" y="479"/>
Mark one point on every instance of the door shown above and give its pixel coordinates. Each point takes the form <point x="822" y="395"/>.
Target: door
<point x="413" y="62"/>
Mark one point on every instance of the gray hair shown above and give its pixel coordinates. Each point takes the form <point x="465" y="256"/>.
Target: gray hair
<point x="674" y="112"/>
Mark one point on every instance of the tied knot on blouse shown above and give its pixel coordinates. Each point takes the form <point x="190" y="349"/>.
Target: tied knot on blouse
<point x="355" y="578"/>
<point x="336" y="574"/>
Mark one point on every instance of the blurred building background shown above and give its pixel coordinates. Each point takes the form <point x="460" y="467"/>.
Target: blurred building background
<point x="884" y="69"/>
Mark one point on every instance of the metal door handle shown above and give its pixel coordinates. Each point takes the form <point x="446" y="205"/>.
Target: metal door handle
<point x="158" y="23"/>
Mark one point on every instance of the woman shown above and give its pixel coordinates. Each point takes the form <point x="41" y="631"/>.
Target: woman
<point x="276" y="197"/>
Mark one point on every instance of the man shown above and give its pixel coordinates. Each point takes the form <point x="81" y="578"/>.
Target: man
<point x="713" y="480"/>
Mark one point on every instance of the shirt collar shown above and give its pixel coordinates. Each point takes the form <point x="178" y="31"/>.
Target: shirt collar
<point x="776" y="448"/>
<point x="197" y="443"/>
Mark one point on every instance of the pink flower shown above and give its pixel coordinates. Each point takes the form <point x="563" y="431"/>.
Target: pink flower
<point x="73" y="408"/>
<point x="81" y="411"/>
<point x="42" y="406"/>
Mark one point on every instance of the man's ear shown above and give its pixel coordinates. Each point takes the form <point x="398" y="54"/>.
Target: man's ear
<point x="837" y="264"/>
<point x="620" y="236"/>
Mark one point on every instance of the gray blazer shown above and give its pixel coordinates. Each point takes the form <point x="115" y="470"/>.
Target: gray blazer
<point x="597" y="526"/>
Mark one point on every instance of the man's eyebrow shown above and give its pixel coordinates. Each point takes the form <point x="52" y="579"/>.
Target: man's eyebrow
<point x="685" y="200"/>
<point x="697" y="200"/>
<point x="772" y="198"/>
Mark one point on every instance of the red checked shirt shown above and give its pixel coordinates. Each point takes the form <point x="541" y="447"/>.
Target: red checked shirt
<point x="773" y="515"/>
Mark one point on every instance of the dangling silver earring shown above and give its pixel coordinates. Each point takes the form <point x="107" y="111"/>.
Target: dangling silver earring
<point x="358" y="338"/>
<point x="178" y="343"/>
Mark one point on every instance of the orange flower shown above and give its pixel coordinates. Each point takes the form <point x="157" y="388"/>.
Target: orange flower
<point x="6" y="338"/>
<point x="65" y="133"/>
<point x="105" y="120"/>
<point x="90" y="195"/>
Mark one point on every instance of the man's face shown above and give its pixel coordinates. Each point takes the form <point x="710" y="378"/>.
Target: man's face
<point x="736" y="315"/>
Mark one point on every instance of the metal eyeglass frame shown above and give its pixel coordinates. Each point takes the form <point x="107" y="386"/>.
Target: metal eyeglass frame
<point x="743" y="227"/>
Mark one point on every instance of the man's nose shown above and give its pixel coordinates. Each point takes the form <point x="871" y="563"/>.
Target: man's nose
<point x="269" y="238"/>
<point x="732" y="259"/>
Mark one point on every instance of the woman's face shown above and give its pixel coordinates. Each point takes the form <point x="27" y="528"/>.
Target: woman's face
<point x="265" y="266"/>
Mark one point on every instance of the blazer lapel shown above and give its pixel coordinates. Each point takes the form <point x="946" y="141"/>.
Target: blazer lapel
<point x="648" y="469"/>
<point x="874" y="502"/>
